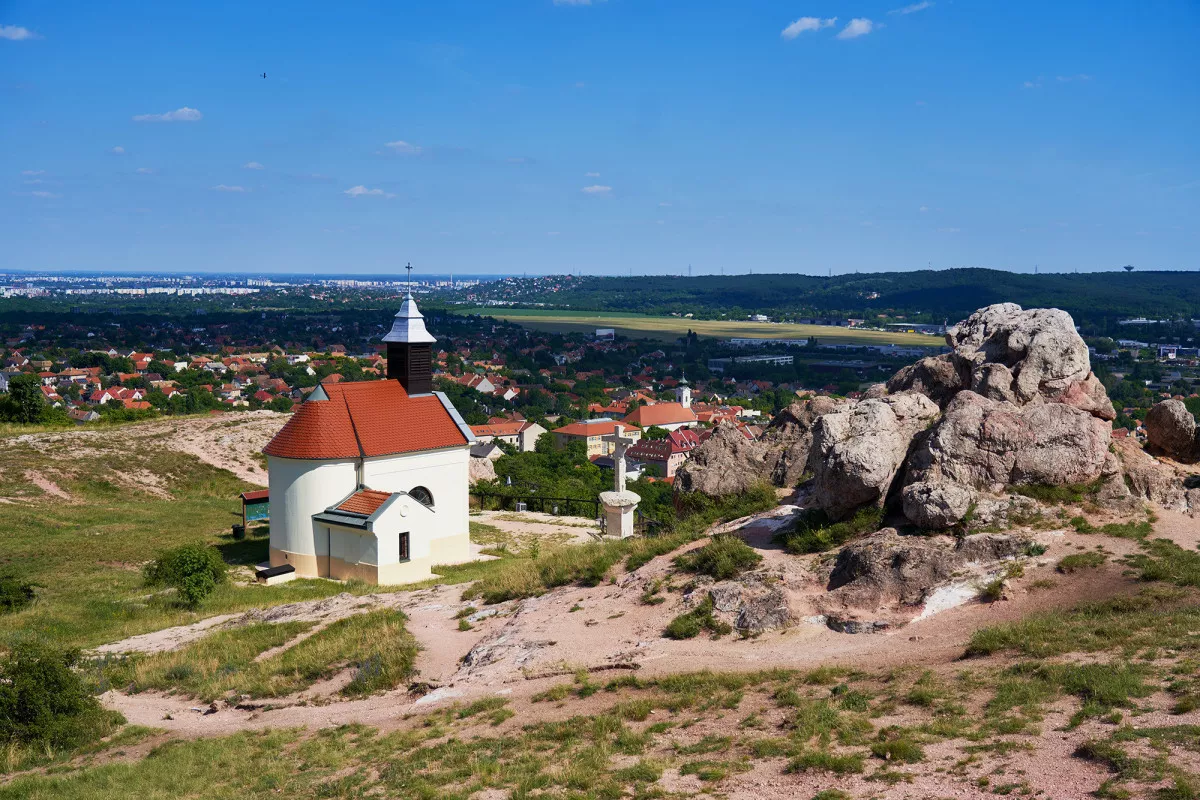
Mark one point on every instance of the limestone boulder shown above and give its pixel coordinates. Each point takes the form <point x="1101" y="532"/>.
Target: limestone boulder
<point x="1088" y="395"/>
<point x="987" y="445"/>
<point x="1067" y="446"/>
<point x="1150" y="479"/>
<point x="856" y="453"/>
<point x="1039" y="349"/>
<point x="1171" y="431"/>
<point x="789" y="437"/>
<point x="937" y="377"/>
<point x="726" y="463"/>
<point x="481" y="469"/>
<point x="886" y="567"/>
<point x="935" y="506"/>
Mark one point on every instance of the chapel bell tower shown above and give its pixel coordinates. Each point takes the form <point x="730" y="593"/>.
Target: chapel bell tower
<point x="409" y="350"/>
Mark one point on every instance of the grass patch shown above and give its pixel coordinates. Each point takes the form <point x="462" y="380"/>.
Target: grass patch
<point x="814" y="532"/>
<point x="1165" y="561"/>
<point x="1080" y="561"/>
<point x="1156" y="617"/>
<point x="1064" y="494"/>
<point x="374" y="645"/>
<point x="689" y="625"/>
<point x="825" y="761"/>
<point x="724" y="557"/>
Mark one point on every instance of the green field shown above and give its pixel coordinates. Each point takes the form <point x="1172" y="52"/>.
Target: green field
<point x="669" y="328"/>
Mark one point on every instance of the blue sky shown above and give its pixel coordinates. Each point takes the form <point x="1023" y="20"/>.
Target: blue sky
<point x="615" y="136"/>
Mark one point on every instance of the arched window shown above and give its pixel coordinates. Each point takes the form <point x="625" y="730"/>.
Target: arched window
<point x="421" y="495"/>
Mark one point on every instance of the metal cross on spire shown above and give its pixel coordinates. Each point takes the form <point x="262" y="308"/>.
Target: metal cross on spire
<point x="408" y="267"/>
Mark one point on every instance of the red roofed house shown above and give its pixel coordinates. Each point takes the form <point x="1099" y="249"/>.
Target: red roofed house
<point x="520" y="433"/>
<point x="369" y="479"/>
<point x="592" y="433"/>
<point x="665" y="454"/>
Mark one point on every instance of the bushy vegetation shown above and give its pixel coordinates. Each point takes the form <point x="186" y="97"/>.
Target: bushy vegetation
<point x="814" y="532"/>
<point x="44" y="703"/>
<point x="722" y="558"/>
<point x="193" y="570"/>
<point x="15" y="593"/>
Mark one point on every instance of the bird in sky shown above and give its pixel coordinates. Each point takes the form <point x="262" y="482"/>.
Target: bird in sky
<point x="264" y="75"/>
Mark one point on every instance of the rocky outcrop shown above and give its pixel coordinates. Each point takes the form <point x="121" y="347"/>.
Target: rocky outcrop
<point x="857" y="453"/>
<point x="934" y="506"/>
<point x="986" y="445"/>
<point x="1018" y="355"/>
<point x="789" y="437"/>
<point x="729" y="463"/>
<point x="754" y="602"/>
<point x="936" y="377"/>
<point x="887" y="568"/>
<point x="1171" y="430"/>
<point x="1151" y="479"/>
<point x="481" y="469"/>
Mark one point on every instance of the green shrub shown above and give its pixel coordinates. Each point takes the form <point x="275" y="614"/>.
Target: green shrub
<point x="815" y="533"/>
<point x="44" y="702"/>
<point x="193" y="570"/>
<point x="689" y="625"/>
<point x="721" y="559"/>
<point x="15" y="594"/>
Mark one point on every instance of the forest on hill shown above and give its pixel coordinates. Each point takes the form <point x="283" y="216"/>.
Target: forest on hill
<point x="921" y="296"/>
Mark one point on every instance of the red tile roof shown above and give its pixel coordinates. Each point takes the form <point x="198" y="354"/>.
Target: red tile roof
<point x="365" y="418"/>
<point x="366" y="502"/>
<point x="660" y="414"/>
<point x="590" y="428"/>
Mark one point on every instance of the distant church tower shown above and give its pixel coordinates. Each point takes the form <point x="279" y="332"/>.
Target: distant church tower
<point x="409" y="350"/>
<point x="683" y="392"/>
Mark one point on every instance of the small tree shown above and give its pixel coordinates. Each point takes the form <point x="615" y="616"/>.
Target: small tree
<point x="26" y="404"/>
<point x="15" y="594"/>
<point x="43" y="700"/>
<point x="194" y="570"/>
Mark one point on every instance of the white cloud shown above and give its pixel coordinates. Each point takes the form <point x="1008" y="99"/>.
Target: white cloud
<point x="405" y="148"/>
<point x="1034" y="84"/>
<point x="117" y="151"/>
<point x="923" y="209"/>
<point x="596" y="189"/>
<point x="949" y="230"/>
<point x="16" y="33"/>
<point x="45" y="194"/>
<point x="362" y="191"/>
<point x="184" y="114"/>
<point x="859" y="26"/>
<point x="144" y="171"/>
<point x="912" y="9"/>
<point x="32" y="172"/>
<point x="591" y="174"/>
<point x="252" y="165"/>
<point x="806" y="24"/>
<point x="220" y="187"/>
<point x="1072" y="78"/>
<point x="33" y="182"/>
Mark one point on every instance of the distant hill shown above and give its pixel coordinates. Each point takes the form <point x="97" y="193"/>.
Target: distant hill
<point x="927" y="294"/>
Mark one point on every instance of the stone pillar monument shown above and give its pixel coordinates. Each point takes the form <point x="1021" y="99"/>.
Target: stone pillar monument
<point x="620" y="503"/>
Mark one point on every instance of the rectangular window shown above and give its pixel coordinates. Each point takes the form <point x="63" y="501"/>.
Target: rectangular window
<point x="404" y="547"/>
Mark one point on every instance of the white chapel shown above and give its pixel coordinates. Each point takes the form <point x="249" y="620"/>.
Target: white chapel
<point x="369" y="479"/>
